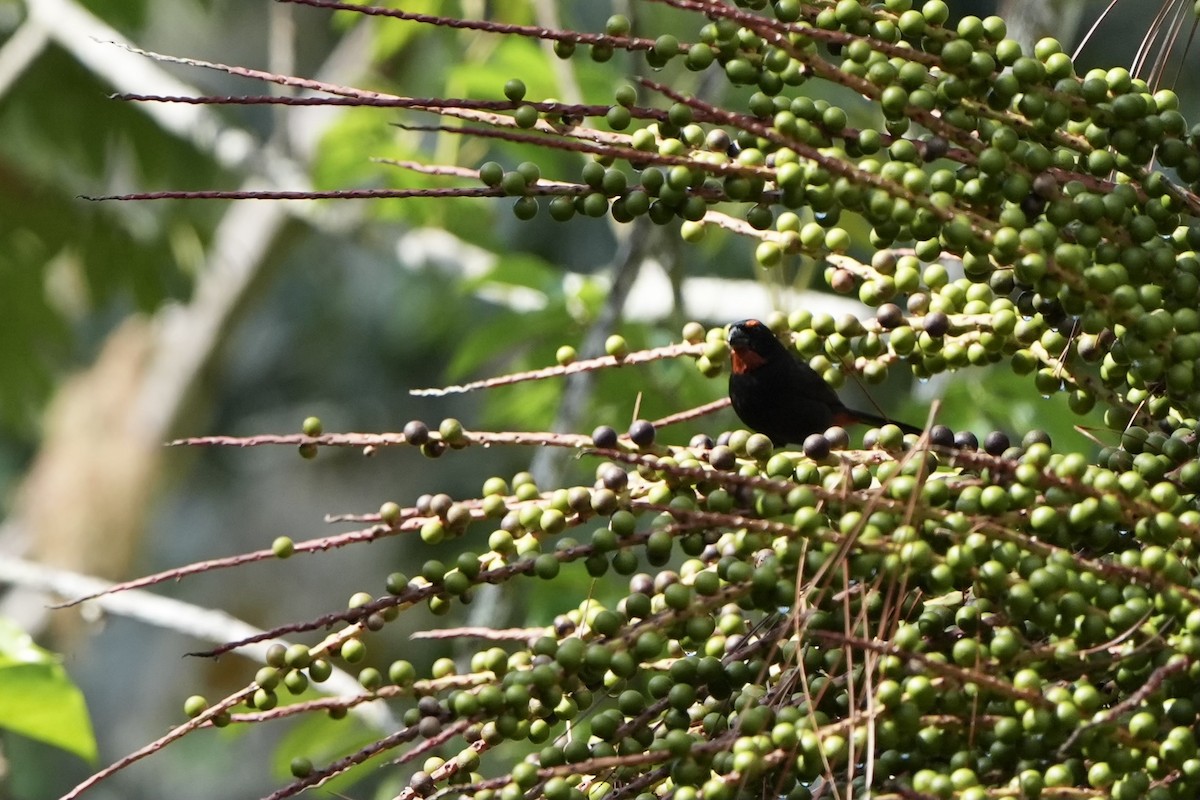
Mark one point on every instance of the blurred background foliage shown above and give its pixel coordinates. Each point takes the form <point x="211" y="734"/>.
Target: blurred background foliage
<point x="137" y="322"/>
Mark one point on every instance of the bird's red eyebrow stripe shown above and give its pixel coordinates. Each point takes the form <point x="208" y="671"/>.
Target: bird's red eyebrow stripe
<point x="844" y="418"/>
<point x="744" y="359"/>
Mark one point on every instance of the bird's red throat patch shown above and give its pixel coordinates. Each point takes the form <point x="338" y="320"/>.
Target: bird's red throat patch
<point x="744" y="359"/>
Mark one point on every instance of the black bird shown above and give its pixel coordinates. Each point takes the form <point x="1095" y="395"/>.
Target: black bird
<point x="776" y="394"/>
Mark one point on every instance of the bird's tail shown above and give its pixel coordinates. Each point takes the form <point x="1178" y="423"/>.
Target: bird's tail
<point x="866" y="418"/>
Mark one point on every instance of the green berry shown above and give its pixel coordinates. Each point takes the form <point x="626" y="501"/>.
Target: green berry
<point x="451" y="431"/>
<point x="195" y="705"/>
<point x="617" y="25"/>
<point x="514" y="90"/>
<point x="370" y="679"/>
<point x="283" y="547"/>
<point x="353" y="651"/>
<point x="297" y="656"/>
<point x="526" y="116"/>
<point x="320" y="670"/>
<point x="491" y="173"/>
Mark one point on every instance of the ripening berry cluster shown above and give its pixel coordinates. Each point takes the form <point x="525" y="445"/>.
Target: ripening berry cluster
<point x="921" y="617"/>
<point x="1067" y="202"/>
<point x="947" y="619"/>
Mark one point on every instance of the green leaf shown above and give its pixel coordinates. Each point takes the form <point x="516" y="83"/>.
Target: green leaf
<point x="502" y="339"/>
<point x="38" y="699"/>
<point x="523" y="270"/>
<point x="391" y="40"/>
<point x="512" y="57"/>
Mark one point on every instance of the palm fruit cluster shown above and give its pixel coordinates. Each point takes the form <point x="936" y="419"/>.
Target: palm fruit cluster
<point x="919" y="618"/>
<point x="923" y="617"/>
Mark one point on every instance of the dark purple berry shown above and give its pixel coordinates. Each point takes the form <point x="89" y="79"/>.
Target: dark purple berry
<point x="641" y="433"/>
<point x="935" y="148"/>
<point x="604" y="437"/>
<point x="965" y="440"/>
<point x="614" y="478"/>
<point x="837" y="437"/>
<point x="941" y="436"/>
<point x="722" y="457"/>
<point x="890" y="315"/>
<point x="937" y="324"/>
<point x="816" y="447"/>
<point x="995" y="443"/>
<point x="416" y="432"/>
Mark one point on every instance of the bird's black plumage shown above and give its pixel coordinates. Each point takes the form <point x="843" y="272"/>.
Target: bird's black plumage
<point x="776" y="394"/>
